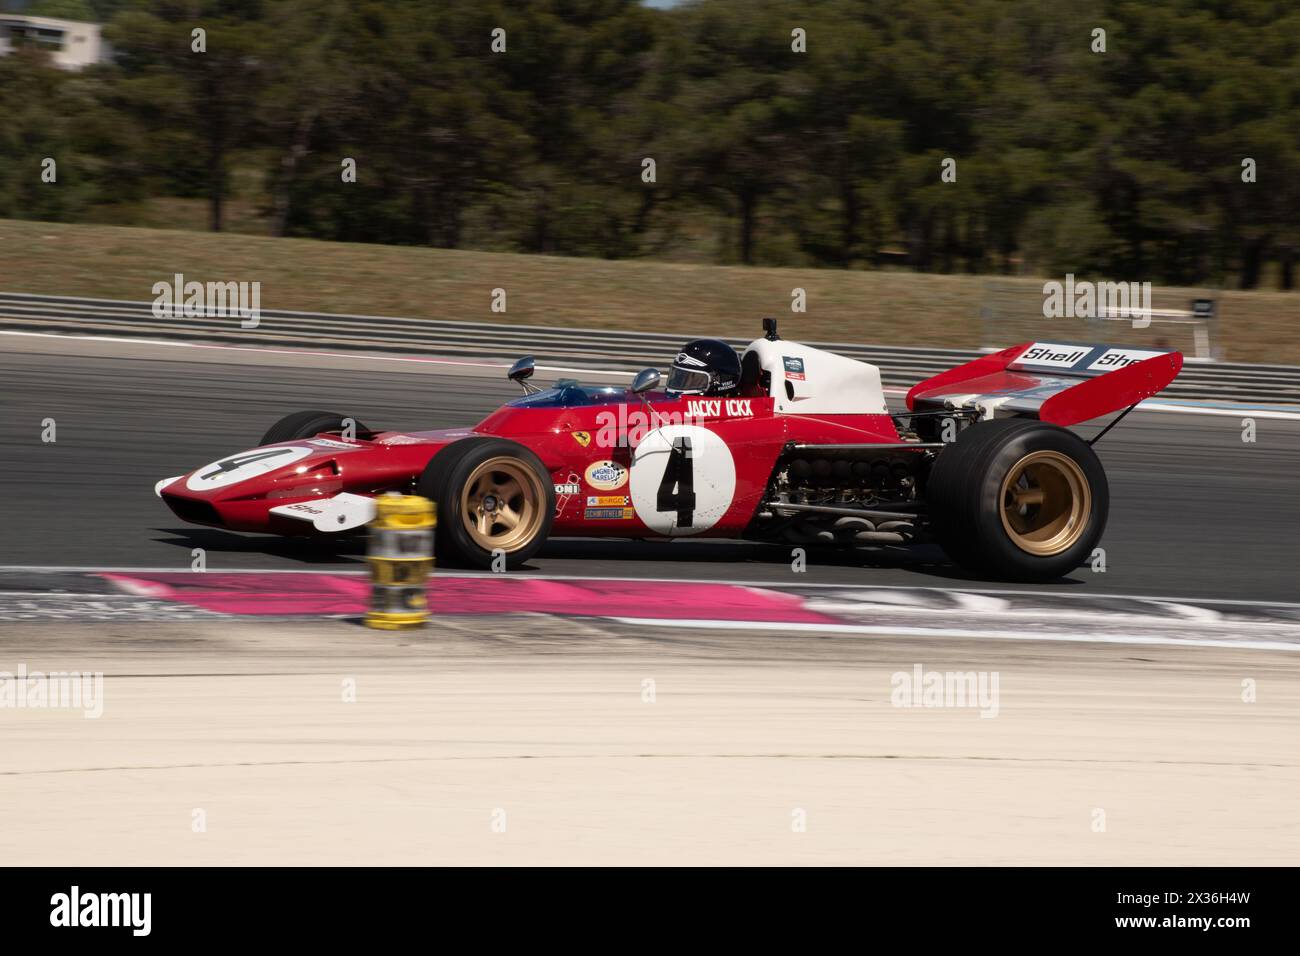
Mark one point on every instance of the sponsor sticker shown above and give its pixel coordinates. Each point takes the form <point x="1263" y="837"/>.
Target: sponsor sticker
<point x="607" y="501"/>
<point x="793" y="367"/>
<point x="608" y="514"/>
<point x="606" y="475"/>
<point x="1049" y="355"/>
<point x="582" y="438"/>
<point x="566" y="491"/>
<point x="1118" y="358"/>
<point x="720" y="408"/>
<point x="330" y="443"/>
<point x="401" y="440"/>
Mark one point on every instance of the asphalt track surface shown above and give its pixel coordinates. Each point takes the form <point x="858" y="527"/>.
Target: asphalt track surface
<point x="1196" y="512"/>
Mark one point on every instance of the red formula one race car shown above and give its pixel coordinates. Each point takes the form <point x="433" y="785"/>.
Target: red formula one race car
<point x="783" y="443"/>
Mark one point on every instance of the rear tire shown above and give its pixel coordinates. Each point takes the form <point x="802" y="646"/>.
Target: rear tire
<point x="308" y="424"/>
<point x="1018" y="499"/>
<point x="491" y="493"/>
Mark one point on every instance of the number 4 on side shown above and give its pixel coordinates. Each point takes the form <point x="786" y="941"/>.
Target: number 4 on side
<point x="677" y="488"/>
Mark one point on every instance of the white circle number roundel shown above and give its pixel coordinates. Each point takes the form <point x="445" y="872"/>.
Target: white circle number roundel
<point x="245" y="465"/>
<point x="683" y="479"/>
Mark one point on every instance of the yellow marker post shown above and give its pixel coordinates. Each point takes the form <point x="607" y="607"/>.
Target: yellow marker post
<point x="400" y="553"/>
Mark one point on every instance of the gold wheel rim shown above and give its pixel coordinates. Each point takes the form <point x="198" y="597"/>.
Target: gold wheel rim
<point x="1046" y="502"/>
<point x="501" y="505"/>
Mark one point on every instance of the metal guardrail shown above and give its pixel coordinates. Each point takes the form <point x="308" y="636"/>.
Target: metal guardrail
<point x="594" y="348"/>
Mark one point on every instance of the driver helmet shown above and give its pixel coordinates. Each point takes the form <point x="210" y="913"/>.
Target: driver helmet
<point x="705" y="367"/>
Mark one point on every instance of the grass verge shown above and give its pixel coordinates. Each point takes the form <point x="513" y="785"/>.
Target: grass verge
<point x="891" y="308"/>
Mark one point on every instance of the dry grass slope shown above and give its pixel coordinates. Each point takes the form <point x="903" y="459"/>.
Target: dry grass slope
<point x="894" y="308"/>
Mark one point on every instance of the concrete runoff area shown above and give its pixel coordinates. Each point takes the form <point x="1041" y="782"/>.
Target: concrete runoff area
<point x="536" y="740"/>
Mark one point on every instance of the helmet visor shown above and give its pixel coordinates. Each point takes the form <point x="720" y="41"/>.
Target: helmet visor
<point x="687" y="379"/>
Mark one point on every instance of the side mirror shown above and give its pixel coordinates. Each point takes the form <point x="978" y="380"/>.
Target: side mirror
<point x="646" y="380"/>
<point x="523" y="370"/>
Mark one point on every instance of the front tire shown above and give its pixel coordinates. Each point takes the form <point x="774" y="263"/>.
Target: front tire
<point x="493" y="495"/>
<point x="1018" y="499"/>
<point x="308" y="424"/>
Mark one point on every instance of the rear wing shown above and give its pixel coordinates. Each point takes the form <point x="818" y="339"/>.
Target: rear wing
<point x="1061" y="383"/>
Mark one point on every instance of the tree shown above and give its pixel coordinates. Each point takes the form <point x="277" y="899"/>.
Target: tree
<point x="64" y="10"/>
<point x="198" y="106"/>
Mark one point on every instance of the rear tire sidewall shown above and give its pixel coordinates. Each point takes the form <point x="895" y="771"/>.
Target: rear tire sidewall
<point x="444" y="479"/>
<point x="970" y="524"/>
<point x="1000" y="550"/>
